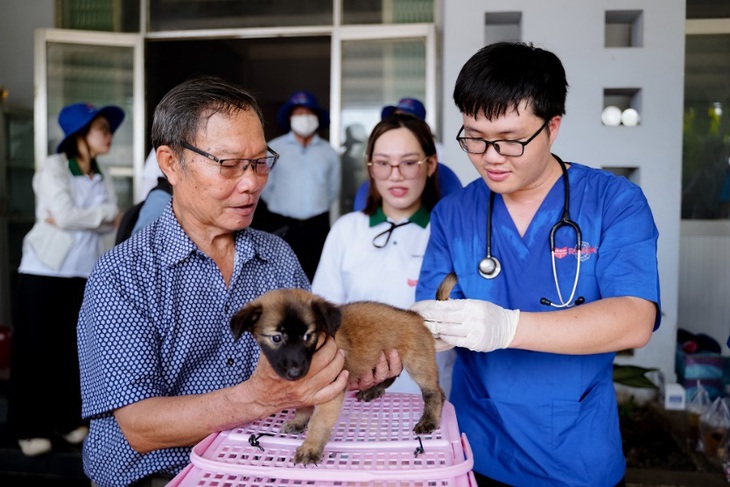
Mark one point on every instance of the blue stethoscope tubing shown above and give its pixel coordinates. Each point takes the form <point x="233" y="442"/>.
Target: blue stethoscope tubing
<point x="490" y="267"/>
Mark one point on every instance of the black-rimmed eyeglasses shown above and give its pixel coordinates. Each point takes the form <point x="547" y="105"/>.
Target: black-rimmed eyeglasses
<point x="510" y="148"/>
<point x="233" y="168"/>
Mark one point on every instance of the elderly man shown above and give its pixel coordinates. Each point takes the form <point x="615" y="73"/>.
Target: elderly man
<point x="159" y="367"/>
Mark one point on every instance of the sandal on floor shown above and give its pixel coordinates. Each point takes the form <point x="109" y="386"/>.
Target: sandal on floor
<point x="32" y="447"/>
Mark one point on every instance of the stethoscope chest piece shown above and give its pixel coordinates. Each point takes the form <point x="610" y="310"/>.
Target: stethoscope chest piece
<point x="489" y="267"/>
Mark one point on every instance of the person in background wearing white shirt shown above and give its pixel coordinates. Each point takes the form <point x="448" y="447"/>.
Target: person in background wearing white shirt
<point x="376" y="254"/>
<point x="306" y="181"/>
<point x="76" y="205"/>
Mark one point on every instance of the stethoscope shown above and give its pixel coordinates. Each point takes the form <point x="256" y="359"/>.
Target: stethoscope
<point x="490" y="267"/>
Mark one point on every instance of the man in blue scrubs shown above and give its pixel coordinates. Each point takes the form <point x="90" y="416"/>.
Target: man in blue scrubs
<point x="532" y="384"/>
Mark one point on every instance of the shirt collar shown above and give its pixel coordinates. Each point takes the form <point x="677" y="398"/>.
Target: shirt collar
<point x="292" y="139"/>
<point x="73" y="166"/>
<point x="421" y="217"/>
<point x="176" y="245"/>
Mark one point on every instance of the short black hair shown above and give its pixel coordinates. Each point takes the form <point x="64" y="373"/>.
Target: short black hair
<point x="501" y="76"/>
<point x="185" y="108"/>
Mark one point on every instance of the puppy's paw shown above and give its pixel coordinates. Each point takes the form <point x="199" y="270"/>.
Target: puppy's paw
<point x="425" y="426"/>
<point x="293" y="427"/>
<point x="307" y="455"/>
<point x="370" y="394"/>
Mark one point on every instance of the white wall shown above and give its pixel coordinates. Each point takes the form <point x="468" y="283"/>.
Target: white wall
<point x="574" y="30"/>
<point x="18" y="21"/>
<point x="704" y="287"/>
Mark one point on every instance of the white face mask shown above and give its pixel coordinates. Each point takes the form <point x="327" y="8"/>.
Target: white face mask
<point x="304" y="125"/>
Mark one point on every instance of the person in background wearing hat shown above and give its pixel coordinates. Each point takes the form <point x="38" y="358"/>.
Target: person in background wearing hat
<point x="448" y="180"/>
<point x="76" y="207"/>
<point x="306" y="182"/>
<point x="376" y="254"/>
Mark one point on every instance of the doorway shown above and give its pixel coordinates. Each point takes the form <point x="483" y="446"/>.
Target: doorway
<point x="272" y="68"/>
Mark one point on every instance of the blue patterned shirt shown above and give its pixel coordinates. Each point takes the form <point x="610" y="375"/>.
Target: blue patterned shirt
<point x="155" y="322"/>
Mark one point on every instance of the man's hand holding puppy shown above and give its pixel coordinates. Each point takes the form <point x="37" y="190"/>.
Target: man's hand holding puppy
<point x="163" y="422"/>
<point x="470" y="323"/>
<point x="387" y="368"/>
<point x="325" y="380"/>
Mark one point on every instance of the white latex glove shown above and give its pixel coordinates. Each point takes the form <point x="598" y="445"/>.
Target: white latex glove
<point x="470" y="323"/>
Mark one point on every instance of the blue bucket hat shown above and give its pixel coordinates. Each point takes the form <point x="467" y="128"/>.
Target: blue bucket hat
<point x="302" y="99"/>
<point x="76" y="117"/>
<point x="407" y="105"/>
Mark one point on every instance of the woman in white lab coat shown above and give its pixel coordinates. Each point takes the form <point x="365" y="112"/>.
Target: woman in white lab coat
<point x="376" y="254"/>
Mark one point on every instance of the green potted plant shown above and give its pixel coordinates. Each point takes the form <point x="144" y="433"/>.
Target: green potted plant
<point x="632" y="384"/>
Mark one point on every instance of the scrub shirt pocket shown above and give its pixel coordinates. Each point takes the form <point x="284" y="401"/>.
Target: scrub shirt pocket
<point x="565" y="414"/>
<point x="516" y="438"/>
<point x="573" y="425"/>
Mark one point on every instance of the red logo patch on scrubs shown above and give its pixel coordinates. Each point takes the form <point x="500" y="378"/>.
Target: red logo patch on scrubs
<point x="561" y="252"/>
<point x="585" y="252"/>
<point x="412" y="282"/>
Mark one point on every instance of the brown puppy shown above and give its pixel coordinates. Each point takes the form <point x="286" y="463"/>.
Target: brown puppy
<point x="287" y="324"/>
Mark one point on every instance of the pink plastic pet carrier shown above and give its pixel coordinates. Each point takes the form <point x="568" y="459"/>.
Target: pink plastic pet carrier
<point x="372" y="444"/>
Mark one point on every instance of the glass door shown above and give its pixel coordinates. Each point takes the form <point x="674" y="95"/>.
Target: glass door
<point x="374" y="66"/>
<point x="706" y="135"/>
<point x="101" y="69"/>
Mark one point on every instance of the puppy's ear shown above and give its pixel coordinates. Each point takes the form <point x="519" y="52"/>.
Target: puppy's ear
<point x="245" y="320"/>
<point x="328" y="315"/>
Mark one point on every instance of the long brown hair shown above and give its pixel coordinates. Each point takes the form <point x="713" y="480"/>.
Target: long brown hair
<point x="420" y="129"/>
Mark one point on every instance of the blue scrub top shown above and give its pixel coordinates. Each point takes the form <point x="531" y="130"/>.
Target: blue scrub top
<point x="537" y="418"/>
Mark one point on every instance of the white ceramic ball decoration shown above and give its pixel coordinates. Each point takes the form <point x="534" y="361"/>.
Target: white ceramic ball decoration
<point x="630" y="117"/>
<point x="611" y="116"/>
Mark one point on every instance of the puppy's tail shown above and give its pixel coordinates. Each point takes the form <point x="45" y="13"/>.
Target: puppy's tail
<point x="446" y="286"/>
